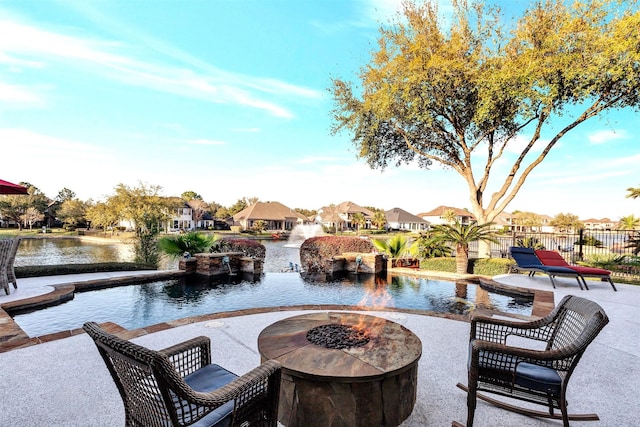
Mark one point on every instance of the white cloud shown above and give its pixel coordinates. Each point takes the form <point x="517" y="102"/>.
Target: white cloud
<point x="190" y="77"/>
<point x="604" y="136"/>
<point x="18" y="94"/>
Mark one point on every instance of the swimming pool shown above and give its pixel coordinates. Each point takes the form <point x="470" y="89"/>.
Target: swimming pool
<point x="141" y="305"/>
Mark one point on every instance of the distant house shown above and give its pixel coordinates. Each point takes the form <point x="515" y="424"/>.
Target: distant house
<point x="439" y="215"/>
<point x="399" y="219"/>
<point x="277" y="216"/>
<point x="340" y="216"/>
<point x="599" y="224"/>
<point x="182" y="219"/>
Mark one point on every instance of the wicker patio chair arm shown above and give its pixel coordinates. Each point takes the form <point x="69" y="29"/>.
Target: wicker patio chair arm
<point x="245" y="384"/>
<point x="189" y="356"/>
<point x="497" y="330"/>
<point x="525" y="354"/>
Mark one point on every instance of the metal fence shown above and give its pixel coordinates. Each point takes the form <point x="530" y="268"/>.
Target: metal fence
<point x="582" y="245"/>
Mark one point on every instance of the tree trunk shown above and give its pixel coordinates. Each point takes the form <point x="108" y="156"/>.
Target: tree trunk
<point x="462" y="259"/>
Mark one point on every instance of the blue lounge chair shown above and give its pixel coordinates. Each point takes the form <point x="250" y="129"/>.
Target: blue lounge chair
<point x="527" y="260"/>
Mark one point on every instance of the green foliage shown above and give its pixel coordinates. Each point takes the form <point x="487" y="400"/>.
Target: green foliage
<point x="145" y="247"/>
<point x="396" y="247"/>
<point x="634" y="242"/>
<point x="491" y="266"/>
<point x="426" y="246"/>
<point x="590" y="241"/>
<point x="566" y="222"/>
<point x="606" y="261"/>
<point x="460" y="236"/>
<point x="530" y="242"/>
<point x="191" y="243"/>
<point x="259" y="226"/>
<point x="447" y="264"/>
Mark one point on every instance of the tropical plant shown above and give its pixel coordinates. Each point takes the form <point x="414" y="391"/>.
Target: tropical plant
<point x="607" y="261"/>
<point x="358" y="220"/>
<point x="634" y="193"/>
<point x="590" y="241"/>
<point x="190" y="243"/>
<point x="461" y="235"/>
<point x="634" y="242"/>
<point x="529" y="242"/>
<point x="395" y="247"/>
<point x="629" y="222"/>
<point x="379" y="219"/>
<point x="449" y="216"/>
<point x="425" y="246"/>
<point x="432" y="93"/>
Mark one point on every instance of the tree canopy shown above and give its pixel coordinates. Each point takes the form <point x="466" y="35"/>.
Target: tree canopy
<point x="461" y="96"/>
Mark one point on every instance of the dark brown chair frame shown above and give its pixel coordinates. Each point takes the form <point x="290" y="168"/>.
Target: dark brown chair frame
<point x="155" y="393"/>
<point x="498" y="368"/>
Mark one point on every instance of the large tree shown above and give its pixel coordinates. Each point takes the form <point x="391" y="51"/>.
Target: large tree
<point x="148" y="211"/>
<point x="464" y="94"/>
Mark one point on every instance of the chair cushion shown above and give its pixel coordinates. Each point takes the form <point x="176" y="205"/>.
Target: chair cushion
<point x="209" y="378"/>
<point x="539" y="378"/>
<point x="590" y="270"/>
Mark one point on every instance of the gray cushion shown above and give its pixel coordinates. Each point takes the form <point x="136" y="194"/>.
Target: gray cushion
<point x="209" y="378"/>
<point x="539" y="378"/>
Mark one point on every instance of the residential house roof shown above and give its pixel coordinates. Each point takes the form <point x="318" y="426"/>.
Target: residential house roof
<point x="268" y="211"/>
<point x="345" y="208"/>
<point x="397" y="215"/>
<point x="439" y="211"/>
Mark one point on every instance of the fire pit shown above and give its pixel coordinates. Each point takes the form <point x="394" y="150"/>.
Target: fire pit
<point x="343" y="369"/>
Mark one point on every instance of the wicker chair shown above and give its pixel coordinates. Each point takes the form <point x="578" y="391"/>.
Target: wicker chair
<point x="11" y="274"/>
<point x="5" y="250"/>
<point x="178" y="386"/>
<point x="538" y="376"/>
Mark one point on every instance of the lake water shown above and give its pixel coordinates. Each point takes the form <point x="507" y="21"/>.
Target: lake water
<point x="57" y="251"/>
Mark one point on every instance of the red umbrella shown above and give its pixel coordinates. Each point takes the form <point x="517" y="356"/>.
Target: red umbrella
<point x="7" y="187"/>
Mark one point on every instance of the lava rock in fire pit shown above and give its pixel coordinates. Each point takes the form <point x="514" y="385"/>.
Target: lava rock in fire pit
<point x="337" y="336"/>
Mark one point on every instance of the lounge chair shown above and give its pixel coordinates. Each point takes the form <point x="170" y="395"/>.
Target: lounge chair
<point x="527" y="260"/>
<point x="178" y="386"/>
<point x="533" y="375"/>
<point x="553" y="258"/>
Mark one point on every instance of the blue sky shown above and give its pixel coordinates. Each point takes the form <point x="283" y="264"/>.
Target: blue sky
<point x="229" y="99"/>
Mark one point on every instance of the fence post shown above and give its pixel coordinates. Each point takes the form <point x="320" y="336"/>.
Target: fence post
<point x="580" y="243"/>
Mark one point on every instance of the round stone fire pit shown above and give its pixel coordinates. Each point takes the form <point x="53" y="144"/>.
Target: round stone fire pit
<point x="368" y="379"/>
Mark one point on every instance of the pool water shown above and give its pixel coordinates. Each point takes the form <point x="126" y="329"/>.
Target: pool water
<point x="141" y="305"/>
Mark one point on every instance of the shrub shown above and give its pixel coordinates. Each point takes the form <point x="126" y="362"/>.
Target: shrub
<point x="248" y="247"/>
<point x="482" y="266"/>
<point x="490" y="266"/>
<point x="439" y="264"/>
<point x="315" y="250"/>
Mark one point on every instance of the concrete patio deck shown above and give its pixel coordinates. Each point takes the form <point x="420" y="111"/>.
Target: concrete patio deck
<point x="65" y="383"/>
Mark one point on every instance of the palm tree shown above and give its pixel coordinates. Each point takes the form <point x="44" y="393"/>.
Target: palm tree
<point x="358" y="220"/>
<point x="461" y="235"/>
<point x="629" y="222"/>
<point x="395" y="247"/>
<point x="191" y="243"/>
<point x="634" y="193"/>
<point x="449" y="216"/>
<point x="379" y="219"/>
